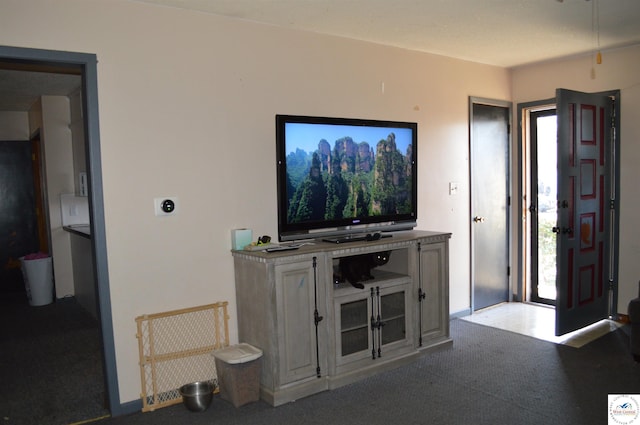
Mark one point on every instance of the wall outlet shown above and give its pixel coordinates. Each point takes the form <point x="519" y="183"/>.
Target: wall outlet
<point x="167" y="205"/>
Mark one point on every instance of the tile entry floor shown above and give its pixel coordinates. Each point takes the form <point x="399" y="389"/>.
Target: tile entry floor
<point x="538" y="321"/>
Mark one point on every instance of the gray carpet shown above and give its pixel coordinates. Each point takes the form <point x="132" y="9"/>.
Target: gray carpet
<point x="51" y="373"/>
<point x="50" y="363"/>
<point x="488" y="376"/>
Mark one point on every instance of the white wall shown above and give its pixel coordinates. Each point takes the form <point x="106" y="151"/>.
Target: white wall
<point x="78" y="139"/>
<point x="618" y="71"/>
<point x="187" y="103"/>
<point x="55" y="137"/>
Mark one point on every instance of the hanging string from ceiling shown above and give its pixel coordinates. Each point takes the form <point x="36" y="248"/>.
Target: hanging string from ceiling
<point x="596" y="56"/>
<point x="595" y="27"/>
<point x="595" y="31"/>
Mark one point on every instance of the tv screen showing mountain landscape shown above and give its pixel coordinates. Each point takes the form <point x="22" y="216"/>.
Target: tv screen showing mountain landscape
<point x="337" y="172"/>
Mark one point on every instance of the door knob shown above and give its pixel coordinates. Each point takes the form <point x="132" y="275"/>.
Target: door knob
<point x="563" y="230"/>
<point x="478" y="219"/>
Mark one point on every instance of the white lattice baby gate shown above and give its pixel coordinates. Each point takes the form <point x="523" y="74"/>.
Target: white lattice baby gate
<point x="175" y="349"/>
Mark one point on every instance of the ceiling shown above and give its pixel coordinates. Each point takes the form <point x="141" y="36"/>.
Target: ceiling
<point x="20" y="89"/>
<point x="505" y="33"/>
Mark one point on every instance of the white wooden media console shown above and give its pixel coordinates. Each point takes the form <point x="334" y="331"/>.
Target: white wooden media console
<point x="317" y="334"/>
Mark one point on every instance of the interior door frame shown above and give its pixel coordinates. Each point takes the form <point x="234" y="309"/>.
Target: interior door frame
<point x="42" y="210"/>
<point x="508" y="212"/>
<point x="86" y="63"/>
<point x="615" y="196"/>
<point x="522" y="291"/>
<point x="534" y="205"/>
<point x="615" y="242"/>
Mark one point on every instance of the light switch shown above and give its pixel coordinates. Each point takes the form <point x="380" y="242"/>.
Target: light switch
<point x="453" y="188"/>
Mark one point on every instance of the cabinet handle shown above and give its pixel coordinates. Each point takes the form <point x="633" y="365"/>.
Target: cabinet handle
<point x="373" y="326"/>
<point x="380" y="322"/>
<point x="421" y="295"/>
<point x="316" y="316"/>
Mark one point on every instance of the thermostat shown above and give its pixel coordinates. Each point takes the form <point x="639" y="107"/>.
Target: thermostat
<point x="165" y="206"/>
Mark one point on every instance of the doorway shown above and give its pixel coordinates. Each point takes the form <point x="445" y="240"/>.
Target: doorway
<point x="543" y="209"/>
<point x="86" y="65"/>
<point x="584" y="220"/>
<point x="490" y="127"/>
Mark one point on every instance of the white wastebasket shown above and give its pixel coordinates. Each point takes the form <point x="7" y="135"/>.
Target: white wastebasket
<point x="38" y="280"/>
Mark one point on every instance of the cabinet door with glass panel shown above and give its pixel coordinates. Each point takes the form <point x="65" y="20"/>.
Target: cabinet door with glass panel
<point x="372" y="323"/>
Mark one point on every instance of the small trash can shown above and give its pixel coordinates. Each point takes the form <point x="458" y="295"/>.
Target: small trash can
<point x="37" y="272"/>
<point x="238" y="367"/>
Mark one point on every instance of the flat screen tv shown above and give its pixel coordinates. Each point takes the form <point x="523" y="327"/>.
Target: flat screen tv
<point x="343" y="178"/>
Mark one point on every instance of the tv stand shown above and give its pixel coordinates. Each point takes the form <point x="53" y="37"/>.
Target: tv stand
<point x="357" y="238"/>
<point x="318" y="333"/>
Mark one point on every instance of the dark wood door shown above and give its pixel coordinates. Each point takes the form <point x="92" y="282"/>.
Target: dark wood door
<point x="38" y="193"/>
<point x="584" y="197"/>
<point x="18" y="223"/>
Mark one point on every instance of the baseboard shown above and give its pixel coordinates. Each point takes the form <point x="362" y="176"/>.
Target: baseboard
<point x="293" y="392"/>
<point x="459" y="314"/>
<point x="377" y="366"/>
<point x="127" y="408"/>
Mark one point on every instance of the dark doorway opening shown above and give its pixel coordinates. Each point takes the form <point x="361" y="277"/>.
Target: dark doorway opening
<point x="18" y="225"/>
<point x="85" y="65"/>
